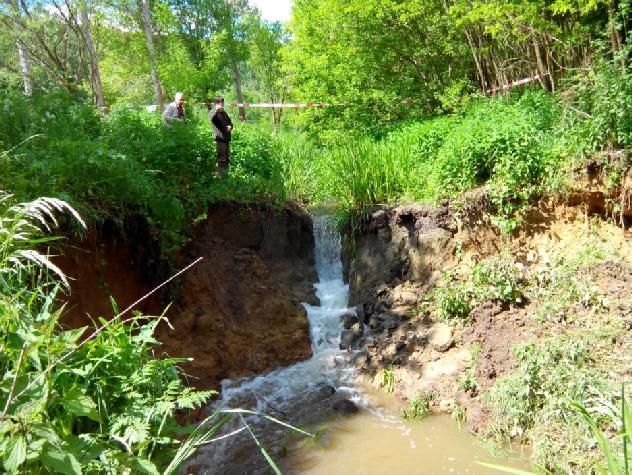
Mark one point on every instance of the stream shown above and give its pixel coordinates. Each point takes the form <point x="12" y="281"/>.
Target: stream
<point x="373" y="441"/>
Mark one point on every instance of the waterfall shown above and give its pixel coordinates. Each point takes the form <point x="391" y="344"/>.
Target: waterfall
<point x="327" y="364"/>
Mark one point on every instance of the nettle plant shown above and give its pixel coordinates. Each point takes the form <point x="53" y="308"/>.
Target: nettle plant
<point x="83" y="400"/>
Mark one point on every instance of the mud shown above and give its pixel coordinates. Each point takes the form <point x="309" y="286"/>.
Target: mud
<point x="401" y="255"/>
<point x="236" y="313"/>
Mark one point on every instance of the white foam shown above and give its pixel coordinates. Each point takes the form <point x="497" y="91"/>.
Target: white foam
<point x="328" y="363"/>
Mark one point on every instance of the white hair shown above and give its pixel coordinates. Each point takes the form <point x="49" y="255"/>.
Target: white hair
<point x="179" y="95"/>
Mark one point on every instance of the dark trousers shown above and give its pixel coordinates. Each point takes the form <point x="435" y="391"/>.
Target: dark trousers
<point x="223" y="156"/>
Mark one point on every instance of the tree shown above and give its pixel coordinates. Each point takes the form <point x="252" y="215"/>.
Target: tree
<point x="149" y="36"/>
<point x="368" y="58"/>
<point x="58" y="37"/>
<point x="266" y="43"/>
<point x="86" y="32"/>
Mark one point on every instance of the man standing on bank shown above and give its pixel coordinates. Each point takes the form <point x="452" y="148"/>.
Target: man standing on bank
<point x="222" y="128"/>
<point x="175" y="110"/>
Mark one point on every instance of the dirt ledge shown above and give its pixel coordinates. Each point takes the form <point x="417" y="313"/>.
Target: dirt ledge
<point x="238" y="312"/>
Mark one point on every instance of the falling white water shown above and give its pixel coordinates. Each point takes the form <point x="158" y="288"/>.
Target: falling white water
<point x="328" y="363"/>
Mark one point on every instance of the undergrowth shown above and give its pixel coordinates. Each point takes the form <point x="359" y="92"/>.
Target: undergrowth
<point x="499" y="279"/>
<point x="89" y="399"/>
<point x="534" y="403"/>
<point x="575" y="362"/>
<point x="127" y="163"/>
<point x="418" y="406"/>
<point x="93" y="399"/>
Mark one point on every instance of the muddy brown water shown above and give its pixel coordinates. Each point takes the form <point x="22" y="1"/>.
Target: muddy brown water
<point x="375" y="440"/>
<point x="378" y="441"/>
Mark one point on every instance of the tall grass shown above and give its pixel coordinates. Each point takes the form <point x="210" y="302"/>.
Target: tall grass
<point x="506" y="143"/>
<point x="127" y="163"/>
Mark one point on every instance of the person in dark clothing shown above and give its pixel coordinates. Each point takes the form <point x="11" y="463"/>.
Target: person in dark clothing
<point x="222" y="128"/>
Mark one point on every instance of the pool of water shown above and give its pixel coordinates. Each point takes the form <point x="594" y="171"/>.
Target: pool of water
<point x="379" y="441"/>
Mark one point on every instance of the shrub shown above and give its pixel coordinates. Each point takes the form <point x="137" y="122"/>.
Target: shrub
<point x="76" y="400"/>
<point x="533" y="404"/>
<point x="494" y="279"/>
<point x="128" y="163"/>
<point x="453" y="303"/>
<point x="497" y="279"/>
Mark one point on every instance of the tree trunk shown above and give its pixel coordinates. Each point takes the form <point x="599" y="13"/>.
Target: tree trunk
<point x="97" y="85"/>
<point x="541" y="67"/>
<point x="149" y="36"/>
<point x="240" y="97"/>
<point x="615" y="37"/>
<point x="477" y="62"/>
<point x="25" y="68"/>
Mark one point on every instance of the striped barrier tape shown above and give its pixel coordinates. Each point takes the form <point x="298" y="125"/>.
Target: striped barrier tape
<point x="511" y="84"/>
<point x="321" y="105"/>
<point x="278" y="105"/>
<point x="261" y="105"/>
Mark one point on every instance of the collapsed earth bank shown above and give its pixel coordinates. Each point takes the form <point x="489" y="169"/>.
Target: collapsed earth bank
<point x="402" y="255"/>
<point x="237" y="312"/>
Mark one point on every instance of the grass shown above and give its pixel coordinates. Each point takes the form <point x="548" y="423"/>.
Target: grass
<point x="575" y="364"/>
<point x="418" y="406"/>
<point x="532" y="404"/>
<point x="469" y="382"/>
<point x="561" y="285"/>
<point x="508" y="143"/>
<point x="388" y="380"/>
<point x="497" y="278"/>
<point x="127" y="164"/>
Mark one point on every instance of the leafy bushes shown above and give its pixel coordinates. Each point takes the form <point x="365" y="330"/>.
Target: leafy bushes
<point x="508" y="143"/>
<point x="127" y="163"/>
<point x="602" y="103"/>
<point x="534" y="403"/>
<point x="93" y="400"/>
<point x="494" y="279"/>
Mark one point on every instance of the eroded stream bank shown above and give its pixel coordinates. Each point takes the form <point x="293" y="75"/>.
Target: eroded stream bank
<point x="236" y="313"/>
<point x="241" y="314"/>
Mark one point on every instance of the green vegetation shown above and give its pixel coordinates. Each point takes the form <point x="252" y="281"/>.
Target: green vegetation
<point x="508" y="143"/>
<point x="127" y="163"/>
<point x="564" y="284"/>
<point x="496" y="279"/>
<point x="533" y="403"/>
<point x="614" y="464"/>
<point x="388" y="380"/>
<point x="409" y="118"/>
<point x="574" y="361"/>
<point x="469" y="382"/>
<point x="87" y="399"/>
<point x="418" y="406"/>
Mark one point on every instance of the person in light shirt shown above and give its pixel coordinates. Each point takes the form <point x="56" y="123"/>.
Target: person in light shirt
<point x="175" y="110"/>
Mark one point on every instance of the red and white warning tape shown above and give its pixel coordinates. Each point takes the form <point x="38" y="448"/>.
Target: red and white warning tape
<point x="320" y="105"/>
<point x="278" y="105"/>
<point x="511" y="84"/>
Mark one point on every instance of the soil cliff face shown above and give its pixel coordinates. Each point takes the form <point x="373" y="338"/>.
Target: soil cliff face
<point x="399" y="258"/>
<point x="238" y="312"/>
<point x="404" y="244"/>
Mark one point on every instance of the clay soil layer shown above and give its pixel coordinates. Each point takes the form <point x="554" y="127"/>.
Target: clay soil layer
<point x="236" y="313"/>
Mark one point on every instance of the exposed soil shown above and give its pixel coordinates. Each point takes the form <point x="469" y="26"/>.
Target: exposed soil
<point x="236" y="313"/>
<point x="403" y="251"/>
<point x="106" y="263"/>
